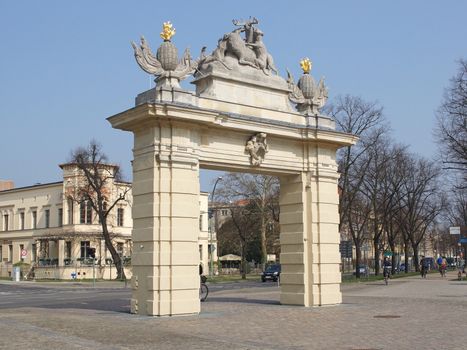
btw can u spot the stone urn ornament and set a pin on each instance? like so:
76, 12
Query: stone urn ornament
167, 53
165, 65
308, 96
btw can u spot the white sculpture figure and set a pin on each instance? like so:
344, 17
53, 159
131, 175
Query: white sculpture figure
249, 51
257, 148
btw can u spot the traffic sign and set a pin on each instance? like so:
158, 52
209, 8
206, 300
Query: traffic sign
455, 230
24, 253
387, 253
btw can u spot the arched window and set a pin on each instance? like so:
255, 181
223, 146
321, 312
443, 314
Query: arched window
120, 213
70, 211
89, 213
85, 211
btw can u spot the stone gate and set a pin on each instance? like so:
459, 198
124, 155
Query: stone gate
239, 118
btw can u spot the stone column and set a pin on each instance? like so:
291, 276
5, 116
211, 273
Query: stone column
324, 248
61, 252
165, 223
294, 228
309, 240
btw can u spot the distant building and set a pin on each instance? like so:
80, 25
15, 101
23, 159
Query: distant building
6, 185
62, 239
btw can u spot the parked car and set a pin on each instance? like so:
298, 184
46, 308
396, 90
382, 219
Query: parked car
431, 262
363, 270
451, 263
272, 272
402, 267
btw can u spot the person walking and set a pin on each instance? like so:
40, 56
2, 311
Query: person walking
460, 268
386, 269
444, 266
439, 261
424, 266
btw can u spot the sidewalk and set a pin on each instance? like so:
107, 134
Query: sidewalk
68, 284
405, 314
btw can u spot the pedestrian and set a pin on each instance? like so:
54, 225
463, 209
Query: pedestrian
444, 266
424, 266
439, 262
460, 268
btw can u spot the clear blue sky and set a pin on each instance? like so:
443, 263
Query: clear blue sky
65, 66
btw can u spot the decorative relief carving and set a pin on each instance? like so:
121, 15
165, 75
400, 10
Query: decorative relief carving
257, 148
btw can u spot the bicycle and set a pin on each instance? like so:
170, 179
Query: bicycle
387, 274
203, 289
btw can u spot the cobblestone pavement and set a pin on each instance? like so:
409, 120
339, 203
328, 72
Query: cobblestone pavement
409, 313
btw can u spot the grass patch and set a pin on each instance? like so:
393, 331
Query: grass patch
371, 278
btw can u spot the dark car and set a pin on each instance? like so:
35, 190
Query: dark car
363, 269
402, 267
272, 272
431, 263
451, 263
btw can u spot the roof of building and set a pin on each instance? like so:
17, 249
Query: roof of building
38, 185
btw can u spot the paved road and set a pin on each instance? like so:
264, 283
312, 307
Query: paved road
404, 315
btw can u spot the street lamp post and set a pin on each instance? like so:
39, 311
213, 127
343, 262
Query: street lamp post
211, 262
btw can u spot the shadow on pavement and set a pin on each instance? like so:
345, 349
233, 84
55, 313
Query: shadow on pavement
242, 300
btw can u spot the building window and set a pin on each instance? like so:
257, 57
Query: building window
89, 212
34, 219
60, 217
120, 213
86, 250
10, 253
33, 252
1, 254
21, 247
224, 212
120, 248
47, 218
201, 222
68, 250
85, 210
70, 211
5, 222
82, 212
21, 220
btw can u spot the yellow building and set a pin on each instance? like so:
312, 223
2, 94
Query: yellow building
59, 238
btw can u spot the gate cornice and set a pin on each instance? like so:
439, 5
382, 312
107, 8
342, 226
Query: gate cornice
147, 114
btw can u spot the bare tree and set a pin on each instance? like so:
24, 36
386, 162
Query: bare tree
451, 132
261, 192
392, 180
364, 119
420, 202
95, 186
456, 210
380, 184
242, 228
